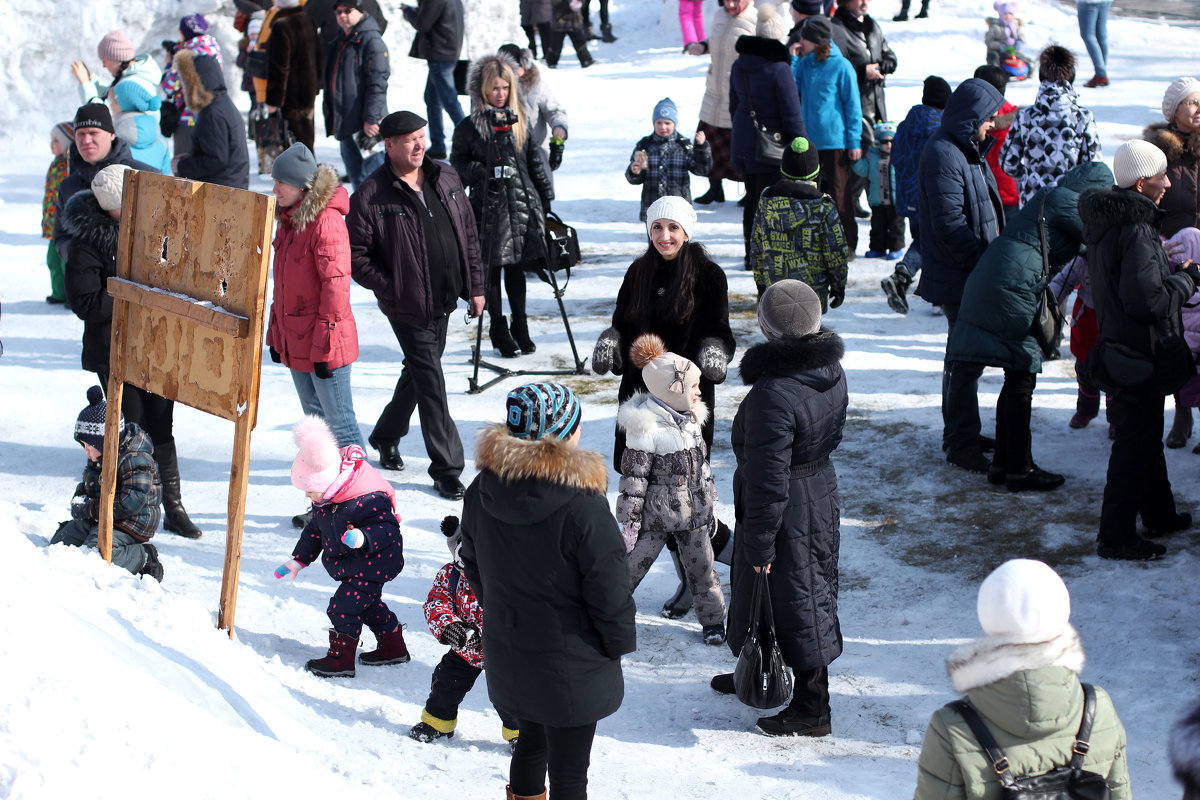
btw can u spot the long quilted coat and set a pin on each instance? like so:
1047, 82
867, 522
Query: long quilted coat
787, 426
311, 320
723, 33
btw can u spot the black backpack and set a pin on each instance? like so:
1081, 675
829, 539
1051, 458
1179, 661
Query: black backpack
1070, 782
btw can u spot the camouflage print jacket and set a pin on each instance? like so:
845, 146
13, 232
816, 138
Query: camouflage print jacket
797, 234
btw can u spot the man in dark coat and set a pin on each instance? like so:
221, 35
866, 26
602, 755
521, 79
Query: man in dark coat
439, 40
294, 70
960, 213
1138, 304
356, 81
419, 255
219, 153
321, 13
545, 557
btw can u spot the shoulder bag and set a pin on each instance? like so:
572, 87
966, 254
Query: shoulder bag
761, 679
768, 143
1048, 316
1070, 782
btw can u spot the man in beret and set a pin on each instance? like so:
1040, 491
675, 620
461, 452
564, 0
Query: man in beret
413, 243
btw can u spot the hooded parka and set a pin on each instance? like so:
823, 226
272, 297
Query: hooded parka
311, 320
785, 494
1048, 137
547, 562
356, 80
219, 154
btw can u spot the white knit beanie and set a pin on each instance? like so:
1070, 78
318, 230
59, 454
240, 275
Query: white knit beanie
108, 185
1176, 93
1024, 601
1137, 159
770, 24
675, 209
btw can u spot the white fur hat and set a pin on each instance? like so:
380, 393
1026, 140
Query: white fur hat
1137, 159
1024, 601
108, 185
675, 209
1176, 93
319, 461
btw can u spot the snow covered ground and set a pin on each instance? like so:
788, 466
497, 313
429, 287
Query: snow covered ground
120, 687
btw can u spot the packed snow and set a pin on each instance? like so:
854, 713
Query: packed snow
116, 686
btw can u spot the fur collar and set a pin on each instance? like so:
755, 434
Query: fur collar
1116, 207
84, 220
770, 49
195, 96
479, 106
641, 414
325, 184
549, 460
993, 658
788, 356
1174, 143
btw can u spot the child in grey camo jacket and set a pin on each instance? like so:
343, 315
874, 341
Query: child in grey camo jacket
666, 485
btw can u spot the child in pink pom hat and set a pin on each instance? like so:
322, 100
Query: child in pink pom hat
355, 531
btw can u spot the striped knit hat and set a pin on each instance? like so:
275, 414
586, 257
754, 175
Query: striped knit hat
89, 426
542, 410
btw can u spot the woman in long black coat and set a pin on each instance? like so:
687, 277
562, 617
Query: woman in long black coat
510, 193
786, 502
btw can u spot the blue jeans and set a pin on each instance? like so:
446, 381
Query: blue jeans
440, 95
352, 158
1093, 27
329, 398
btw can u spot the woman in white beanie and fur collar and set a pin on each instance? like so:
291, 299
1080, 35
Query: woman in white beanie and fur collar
1022, 678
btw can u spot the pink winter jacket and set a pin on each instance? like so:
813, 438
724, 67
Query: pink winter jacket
311, 319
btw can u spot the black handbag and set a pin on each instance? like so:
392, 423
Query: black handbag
1113, 367
768, 143
462, 69
761, 679
562, 244
1047, 316
1070, 782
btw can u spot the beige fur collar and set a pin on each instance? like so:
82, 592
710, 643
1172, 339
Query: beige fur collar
195, 96
325, 183
1174, 143
993, 658
547, 460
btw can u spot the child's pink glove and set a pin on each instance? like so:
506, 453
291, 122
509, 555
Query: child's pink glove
353, 538
290, 566
629, 532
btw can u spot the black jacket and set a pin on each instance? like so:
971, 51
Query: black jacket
356, 80
219, 154
321, 13
761, 80
1136, 297
864, 44
91, 261
960, 207
439, 25
545, 558
785, 494
387, 242
80, 178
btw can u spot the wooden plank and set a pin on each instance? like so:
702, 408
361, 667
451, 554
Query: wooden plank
148, 297
112, 444
239, 477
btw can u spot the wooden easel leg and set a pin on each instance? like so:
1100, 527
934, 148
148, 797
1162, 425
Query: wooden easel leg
239, 475
112, 440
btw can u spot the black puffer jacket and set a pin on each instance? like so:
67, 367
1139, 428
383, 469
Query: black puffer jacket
864, 45
356, 80
91, 261
219, 154
440, 27
512, 213
785, 494
1133, 289
79, 178
547, 562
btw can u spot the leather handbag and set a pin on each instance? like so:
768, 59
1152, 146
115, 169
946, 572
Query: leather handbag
761, 679
1047, 316
1069, 782
768, 142
562, 243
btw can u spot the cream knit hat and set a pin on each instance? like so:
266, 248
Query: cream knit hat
675, 209
108, 185
1137, 159
1179, 89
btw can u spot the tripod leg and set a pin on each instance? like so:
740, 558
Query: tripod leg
562, 309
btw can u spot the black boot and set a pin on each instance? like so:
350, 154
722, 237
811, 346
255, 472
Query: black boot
606, 34
924, 12
175, 517
588, 33
895, 286
1181, 427
502, 340
715, 193
585, 58
520, 332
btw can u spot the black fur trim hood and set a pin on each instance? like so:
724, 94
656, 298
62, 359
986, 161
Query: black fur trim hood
1113, 207
790, 356
770, 49
85, 220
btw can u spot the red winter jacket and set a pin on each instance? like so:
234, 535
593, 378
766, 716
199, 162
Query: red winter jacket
311, 319
1009, 195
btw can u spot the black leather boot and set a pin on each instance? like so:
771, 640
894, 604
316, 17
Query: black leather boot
520, 332
606, 34
502, 340
175, 516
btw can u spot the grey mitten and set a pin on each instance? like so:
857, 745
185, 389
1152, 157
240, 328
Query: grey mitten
606, 355
713, 361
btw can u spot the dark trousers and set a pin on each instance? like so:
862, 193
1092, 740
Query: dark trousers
1137, 471
552, 42
453, 677
960, 396
1013, 409
587, 12
835, 182
514, 286
153, 413
887, 229
300, 123
755, 183
810, 693
356, 603
563, 753
422, 387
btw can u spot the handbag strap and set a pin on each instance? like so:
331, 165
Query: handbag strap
1045, 247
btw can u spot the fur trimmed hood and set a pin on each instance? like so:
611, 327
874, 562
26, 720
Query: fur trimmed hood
1114, 207
549, 460
789, 356
643, 417
992, 658
201, 79
324, 191
1174, 143
84, 220
475, 92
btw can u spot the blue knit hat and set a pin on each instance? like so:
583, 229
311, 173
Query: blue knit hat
665, 109
132, 96
89, 426
542, 410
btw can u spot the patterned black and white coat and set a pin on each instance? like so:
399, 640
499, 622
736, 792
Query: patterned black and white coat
1048, 138
666, 483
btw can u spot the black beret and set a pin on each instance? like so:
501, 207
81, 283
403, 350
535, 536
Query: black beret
400, 123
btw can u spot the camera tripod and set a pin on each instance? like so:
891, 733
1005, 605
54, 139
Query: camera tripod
493, 186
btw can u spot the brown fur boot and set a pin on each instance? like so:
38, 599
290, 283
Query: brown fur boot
339, 661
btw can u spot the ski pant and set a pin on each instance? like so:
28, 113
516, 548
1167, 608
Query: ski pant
356, 603
696, 555
127, 551
452, 678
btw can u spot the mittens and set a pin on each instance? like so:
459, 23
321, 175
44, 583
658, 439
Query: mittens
713, 361
836, 296
80, 507
291, 566
459, 635
606, 355
353, 538
322, 370
275, 355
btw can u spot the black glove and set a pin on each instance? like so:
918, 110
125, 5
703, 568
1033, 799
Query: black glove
459, 635
449, 525
712, 360
275, 355
322, 370
606, 355
81, 507
836, 296
1192, 270
557, 146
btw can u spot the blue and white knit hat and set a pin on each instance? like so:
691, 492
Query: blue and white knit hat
542, 410
89, 426
665, 109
